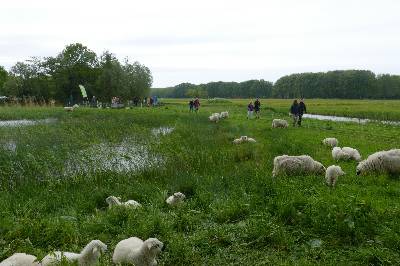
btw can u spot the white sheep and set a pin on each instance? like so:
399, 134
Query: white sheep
279, 123
116, 201
291, 165
338, 154
137, 252
20, 259
353, 153
224, 115
332, 174
175, 199
381, 162
214, 117
88, 256
68, 108
332, 142
244, 139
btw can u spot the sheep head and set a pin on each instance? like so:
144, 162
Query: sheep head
179, 195
154, 246
111, 201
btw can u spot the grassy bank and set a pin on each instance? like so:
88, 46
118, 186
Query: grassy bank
235, 212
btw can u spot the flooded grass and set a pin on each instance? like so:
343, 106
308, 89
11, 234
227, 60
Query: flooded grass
54, 179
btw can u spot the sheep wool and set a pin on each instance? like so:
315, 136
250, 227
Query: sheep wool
292, 165
338, 154
332, 142
88, 256
279, 123
224, 115
353, 153
214, 117
137, 252
332, 174
381, 162
115, 201
175, 199
20, 259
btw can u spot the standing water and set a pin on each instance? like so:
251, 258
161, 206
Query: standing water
349, 119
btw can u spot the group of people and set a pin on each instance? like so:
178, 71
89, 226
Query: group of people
297, 111
251, 108
194, 105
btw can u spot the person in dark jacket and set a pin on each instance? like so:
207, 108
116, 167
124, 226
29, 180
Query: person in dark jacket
257, 105
302, 110
191, 105
294, 112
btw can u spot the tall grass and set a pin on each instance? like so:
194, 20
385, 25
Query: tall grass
235, 212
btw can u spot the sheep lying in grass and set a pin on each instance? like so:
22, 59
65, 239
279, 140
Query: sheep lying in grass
137, 252
279, 123
381, 162
214, 117
331, 142
175, 199
68, 108
20, 259
116, 201
224, 115
332, 174
88, 256
244, 139
291, 165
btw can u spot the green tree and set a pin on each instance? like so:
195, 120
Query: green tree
137, 80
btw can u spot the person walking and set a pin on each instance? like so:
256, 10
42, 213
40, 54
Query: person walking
196, 104
294, 111
191, 105
257, 105
302, 110
250, 109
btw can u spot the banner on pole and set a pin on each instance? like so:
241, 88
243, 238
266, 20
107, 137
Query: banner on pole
83, 91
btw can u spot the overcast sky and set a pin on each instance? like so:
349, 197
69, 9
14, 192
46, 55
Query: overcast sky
211, 40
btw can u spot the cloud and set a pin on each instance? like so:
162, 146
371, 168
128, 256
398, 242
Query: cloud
200, 41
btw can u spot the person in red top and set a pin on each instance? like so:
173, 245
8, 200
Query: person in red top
196, 104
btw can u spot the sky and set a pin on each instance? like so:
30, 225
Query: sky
211, 40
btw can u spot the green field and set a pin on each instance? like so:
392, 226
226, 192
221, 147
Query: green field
54, 178
372, 109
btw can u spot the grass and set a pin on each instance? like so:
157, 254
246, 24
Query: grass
235, 212
373, 109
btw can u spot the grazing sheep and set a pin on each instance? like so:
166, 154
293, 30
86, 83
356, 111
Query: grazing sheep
224, 115
332, 174
291, 165
353, 153
68, 109
381, 162
332, 142
88, 256
138, 252
279, 123
20, 259
243, 139
75, 106
214, 117
338, 154
175, 199
115, 201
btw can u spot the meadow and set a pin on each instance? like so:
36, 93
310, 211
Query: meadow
54, 178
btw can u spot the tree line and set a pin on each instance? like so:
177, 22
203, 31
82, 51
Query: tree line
58, 77
345, 84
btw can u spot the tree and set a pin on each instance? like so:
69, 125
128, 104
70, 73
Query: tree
137, 80
75, 65
3, 77
110, 80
